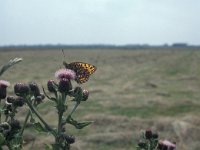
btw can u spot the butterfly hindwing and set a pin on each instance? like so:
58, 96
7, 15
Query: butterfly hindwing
82, 70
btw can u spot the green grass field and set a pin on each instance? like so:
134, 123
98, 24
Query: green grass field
131, 90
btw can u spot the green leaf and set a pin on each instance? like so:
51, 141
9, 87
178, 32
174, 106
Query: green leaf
9, 64
2, 110
83, 124
47, 147
2, 139
16, 143
39, 127
76, 124
56, 146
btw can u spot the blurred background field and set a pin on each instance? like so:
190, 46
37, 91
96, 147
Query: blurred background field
131, 90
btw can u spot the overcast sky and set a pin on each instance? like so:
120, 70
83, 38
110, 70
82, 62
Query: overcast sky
99, 21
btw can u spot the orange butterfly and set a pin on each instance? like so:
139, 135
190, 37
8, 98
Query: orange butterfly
82, 70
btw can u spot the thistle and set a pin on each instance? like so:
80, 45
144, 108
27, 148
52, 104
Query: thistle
150, 141
29, 94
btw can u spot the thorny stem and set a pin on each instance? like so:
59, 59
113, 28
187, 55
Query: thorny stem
75, 106
1, 110
41, 119
73, 110
25, 122
61, 101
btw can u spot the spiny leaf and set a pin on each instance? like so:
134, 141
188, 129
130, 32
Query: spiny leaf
47, 147
9, 64
76, 124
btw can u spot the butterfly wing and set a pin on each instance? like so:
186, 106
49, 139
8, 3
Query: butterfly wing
82, 70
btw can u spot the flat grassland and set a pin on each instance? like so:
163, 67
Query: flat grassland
132, 90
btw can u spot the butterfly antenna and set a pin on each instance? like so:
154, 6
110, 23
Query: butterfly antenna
64, 57
63, 53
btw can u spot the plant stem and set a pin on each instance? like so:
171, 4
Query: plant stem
60, 107
57, 138
60, 122
41, 119
1, 110
75, 106
25, 122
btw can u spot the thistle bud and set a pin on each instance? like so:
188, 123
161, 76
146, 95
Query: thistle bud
85, 95
39, 98
148, 134
70, 139
154, 135
10, 99
64, 85
162, 147
3, 92
5, 128
21, 89
142, 144
77, 90
50, 86
8, 109
19, 102
15, 125
3, 88
34, 89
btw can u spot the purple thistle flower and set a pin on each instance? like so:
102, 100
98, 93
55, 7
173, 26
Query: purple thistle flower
3, 86
50, 86
19, 102
64, 85
65, 73
21, 89
4, 83
166, 145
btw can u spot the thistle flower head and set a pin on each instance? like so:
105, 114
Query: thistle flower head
85, 95
155, 135
65, 73
50, 86
4, 83
3, 86
21, 89
148, 134
142, 144
69, 138
15, 125
10, 100
4, 126
64, 85
19, 102
166, 145
40, 98
34, 89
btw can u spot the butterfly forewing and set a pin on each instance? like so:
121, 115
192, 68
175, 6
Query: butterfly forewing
82, 70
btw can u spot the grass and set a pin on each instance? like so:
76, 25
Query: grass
152, 111
130, 91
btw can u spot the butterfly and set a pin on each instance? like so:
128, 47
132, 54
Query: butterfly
82, 70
